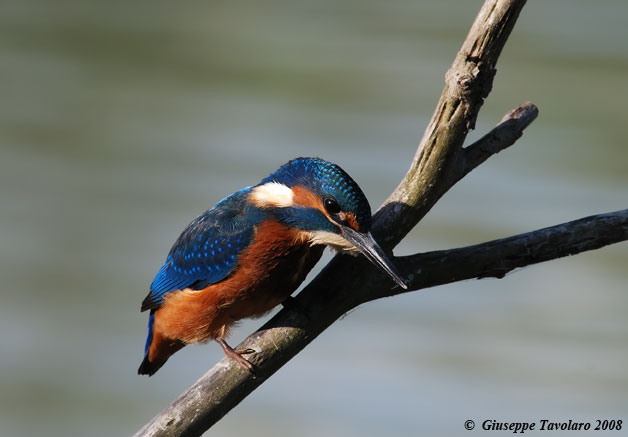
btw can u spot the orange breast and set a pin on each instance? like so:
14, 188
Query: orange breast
268, 271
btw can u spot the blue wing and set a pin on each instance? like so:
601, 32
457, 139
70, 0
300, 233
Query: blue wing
207, 250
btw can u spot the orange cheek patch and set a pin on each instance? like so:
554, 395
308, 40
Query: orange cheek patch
306, 198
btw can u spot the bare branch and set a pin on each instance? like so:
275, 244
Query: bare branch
504, 135
497, 258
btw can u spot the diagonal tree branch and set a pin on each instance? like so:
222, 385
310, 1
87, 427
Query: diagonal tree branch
440, 161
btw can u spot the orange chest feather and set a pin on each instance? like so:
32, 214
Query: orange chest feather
268, 271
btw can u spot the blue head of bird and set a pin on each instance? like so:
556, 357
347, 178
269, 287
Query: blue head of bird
327, 207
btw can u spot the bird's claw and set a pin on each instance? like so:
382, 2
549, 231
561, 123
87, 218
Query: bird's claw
236, 355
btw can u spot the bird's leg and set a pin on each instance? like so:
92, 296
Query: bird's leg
236, 354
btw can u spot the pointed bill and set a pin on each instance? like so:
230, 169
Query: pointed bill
367, 245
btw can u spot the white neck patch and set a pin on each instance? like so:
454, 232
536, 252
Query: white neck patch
272, 194
335, 241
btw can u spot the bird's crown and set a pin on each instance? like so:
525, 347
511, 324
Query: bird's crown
313, 181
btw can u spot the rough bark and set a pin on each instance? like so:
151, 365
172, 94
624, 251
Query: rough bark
346, 282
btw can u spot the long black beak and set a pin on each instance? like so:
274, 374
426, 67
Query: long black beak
365, 243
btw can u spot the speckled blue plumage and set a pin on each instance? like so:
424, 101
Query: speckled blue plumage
207, 250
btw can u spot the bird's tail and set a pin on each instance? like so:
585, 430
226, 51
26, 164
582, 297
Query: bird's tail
148, 368
157, 350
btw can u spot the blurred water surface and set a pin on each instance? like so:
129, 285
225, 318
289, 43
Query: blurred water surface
121, 121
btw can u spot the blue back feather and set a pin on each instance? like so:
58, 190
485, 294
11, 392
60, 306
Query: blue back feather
207, 250
149, 338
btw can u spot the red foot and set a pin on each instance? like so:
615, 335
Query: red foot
236, 354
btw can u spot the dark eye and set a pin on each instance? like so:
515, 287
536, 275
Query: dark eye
331, 206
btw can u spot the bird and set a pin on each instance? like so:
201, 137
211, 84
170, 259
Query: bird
250, 252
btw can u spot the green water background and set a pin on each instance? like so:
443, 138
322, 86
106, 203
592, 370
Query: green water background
121, 121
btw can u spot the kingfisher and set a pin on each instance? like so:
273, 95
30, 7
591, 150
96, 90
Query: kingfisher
250, 252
